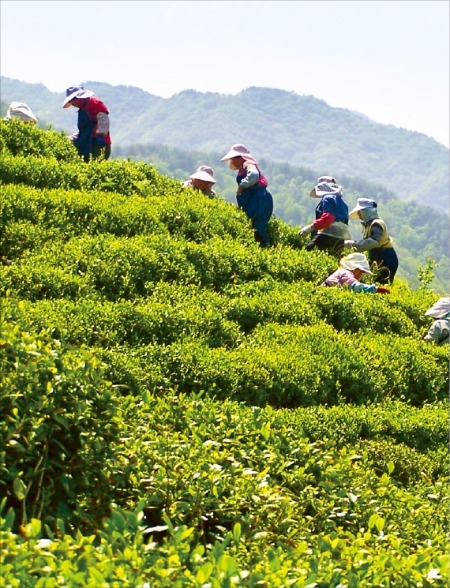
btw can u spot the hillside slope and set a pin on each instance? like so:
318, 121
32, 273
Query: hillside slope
276, 125
420, 233
181, 408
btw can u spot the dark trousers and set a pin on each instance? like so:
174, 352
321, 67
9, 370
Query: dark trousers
333, 245
384, 264
257, 203
98, 151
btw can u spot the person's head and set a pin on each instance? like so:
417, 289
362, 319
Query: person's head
325, 186
74, 95
236, 163
237, 156
365, 209
203, 178
357, 264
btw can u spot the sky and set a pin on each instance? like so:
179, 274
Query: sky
386, 59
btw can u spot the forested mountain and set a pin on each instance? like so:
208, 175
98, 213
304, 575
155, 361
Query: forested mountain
277, 125
420, 232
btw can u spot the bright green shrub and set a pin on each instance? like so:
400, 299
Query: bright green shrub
71, 213
108, 324
22, 236
104, 176
18, 139
406, 369
353, 312
410, 466
288, 265
43, 280
197, 218
278, 367
56, 429
424, 429
147, 307
268, 300
309, 365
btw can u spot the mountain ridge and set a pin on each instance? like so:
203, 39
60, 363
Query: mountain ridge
275, 124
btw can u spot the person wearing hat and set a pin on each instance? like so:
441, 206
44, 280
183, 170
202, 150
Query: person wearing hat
21, 111
376, 240
439, 331
252, 195
351, 269
202, 180
93, 138
330, 229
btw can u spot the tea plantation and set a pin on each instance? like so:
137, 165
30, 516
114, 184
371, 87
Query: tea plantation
180, 408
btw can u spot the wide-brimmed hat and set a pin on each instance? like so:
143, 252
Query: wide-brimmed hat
22, 111
325, 185
76, 92
354, 261
205, 173
361, 204
238, 150
439, 308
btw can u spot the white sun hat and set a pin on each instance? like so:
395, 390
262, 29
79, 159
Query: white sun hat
354, 261
439, 308
361, 204
22, 111
76, 92
205, 173
325, 185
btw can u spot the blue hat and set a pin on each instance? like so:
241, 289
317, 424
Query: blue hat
76, 92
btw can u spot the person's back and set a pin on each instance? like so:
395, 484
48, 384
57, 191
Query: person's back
252, 195
376, 240
439, 331
330, 229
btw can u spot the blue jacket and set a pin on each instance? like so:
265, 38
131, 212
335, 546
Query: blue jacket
333, 204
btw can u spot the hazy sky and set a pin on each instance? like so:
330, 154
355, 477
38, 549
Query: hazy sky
386, 59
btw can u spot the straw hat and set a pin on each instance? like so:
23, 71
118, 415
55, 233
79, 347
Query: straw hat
76, 92
354, 261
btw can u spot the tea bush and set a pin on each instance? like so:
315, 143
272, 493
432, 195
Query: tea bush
182, 408
56, 429
17, 139
105, 176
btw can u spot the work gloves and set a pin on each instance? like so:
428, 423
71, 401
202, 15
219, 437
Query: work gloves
306, 230
381, 290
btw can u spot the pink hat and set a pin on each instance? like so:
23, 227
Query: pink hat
204, 173
238, 150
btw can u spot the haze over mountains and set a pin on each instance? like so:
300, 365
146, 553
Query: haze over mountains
276, 125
